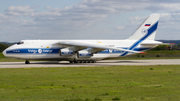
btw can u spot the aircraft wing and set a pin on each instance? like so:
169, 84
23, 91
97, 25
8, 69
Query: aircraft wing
93, 48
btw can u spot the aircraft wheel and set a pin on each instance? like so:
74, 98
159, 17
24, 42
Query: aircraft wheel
27, 62
75, 61
70, 61
93, 61
78, 61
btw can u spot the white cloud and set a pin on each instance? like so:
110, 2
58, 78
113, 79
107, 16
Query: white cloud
48, 7
120, 27
19, 10
79, 20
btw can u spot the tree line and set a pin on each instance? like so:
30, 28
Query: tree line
3, 47
166, 47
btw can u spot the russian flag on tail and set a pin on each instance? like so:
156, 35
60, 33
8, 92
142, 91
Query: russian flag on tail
147, 25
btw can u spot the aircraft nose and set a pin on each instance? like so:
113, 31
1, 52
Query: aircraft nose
4, 52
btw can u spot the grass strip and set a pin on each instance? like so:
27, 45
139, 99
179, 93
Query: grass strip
105, 83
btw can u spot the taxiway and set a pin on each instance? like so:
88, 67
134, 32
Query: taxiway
99, 63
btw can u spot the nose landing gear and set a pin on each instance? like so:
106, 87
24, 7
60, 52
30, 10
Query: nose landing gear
27, 62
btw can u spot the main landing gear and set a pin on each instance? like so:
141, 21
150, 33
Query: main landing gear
83, 61
27, 62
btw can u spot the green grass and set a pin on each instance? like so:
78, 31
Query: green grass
124, 83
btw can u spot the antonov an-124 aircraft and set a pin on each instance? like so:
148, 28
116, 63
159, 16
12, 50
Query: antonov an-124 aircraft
87, 51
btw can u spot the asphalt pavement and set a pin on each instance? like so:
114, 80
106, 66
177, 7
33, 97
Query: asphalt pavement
99, 63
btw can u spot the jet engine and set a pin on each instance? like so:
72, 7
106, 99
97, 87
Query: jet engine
66, 52
84, 54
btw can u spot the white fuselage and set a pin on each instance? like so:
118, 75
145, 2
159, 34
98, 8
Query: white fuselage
49, 49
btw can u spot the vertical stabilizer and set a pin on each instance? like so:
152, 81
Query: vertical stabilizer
147, 30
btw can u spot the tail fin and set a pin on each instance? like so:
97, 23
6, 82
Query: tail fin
147, 30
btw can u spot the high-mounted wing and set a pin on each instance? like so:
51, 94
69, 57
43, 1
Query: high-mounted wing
93, 48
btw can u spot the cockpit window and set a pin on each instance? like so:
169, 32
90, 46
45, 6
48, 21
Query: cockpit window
20, 43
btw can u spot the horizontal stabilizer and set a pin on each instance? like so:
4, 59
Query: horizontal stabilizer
157, 43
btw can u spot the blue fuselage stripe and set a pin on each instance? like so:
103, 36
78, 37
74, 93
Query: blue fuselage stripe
32, 50
56, 51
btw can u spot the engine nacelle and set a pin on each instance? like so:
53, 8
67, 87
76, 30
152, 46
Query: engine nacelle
84, 54
66, 52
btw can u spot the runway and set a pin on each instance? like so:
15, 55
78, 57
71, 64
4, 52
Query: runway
99, 63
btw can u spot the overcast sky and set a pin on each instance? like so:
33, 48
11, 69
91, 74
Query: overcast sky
85, 19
